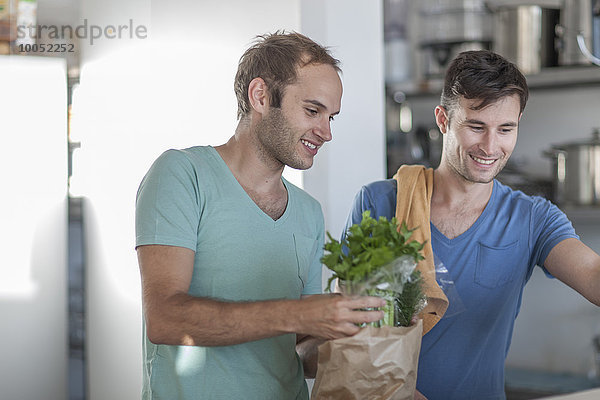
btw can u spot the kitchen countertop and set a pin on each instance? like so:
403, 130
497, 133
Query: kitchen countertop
593, 394
534, 384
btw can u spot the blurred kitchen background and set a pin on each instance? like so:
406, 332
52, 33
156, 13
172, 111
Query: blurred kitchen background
81, 125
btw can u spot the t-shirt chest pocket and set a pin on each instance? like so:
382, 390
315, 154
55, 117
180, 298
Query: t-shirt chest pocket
497, 265
306, 249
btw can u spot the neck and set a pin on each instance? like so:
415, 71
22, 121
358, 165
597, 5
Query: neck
241, 154
453, 191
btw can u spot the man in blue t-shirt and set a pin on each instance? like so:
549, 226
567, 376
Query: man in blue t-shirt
229, 251
487, 235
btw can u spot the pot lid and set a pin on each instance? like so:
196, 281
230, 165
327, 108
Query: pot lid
593, 141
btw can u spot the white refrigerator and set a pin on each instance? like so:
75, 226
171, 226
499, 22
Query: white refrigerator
33, 228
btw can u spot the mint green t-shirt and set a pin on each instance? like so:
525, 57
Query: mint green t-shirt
190, 198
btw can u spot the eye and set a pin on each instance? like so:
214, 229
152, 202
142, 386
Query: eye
476, 128
506, 131
312, 111
331, 118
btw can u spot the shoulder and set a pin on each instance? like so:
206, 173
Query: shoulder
173, 158
184, 162
175, 168
386, 188
379, 197
517, 199
190, 155
540, 212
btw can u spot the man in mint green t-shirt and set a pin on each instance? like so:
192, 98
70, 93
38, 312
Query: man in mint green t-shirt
229, 251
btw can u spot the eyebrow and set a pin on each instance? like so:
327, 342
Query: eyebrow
319, 104
478, 122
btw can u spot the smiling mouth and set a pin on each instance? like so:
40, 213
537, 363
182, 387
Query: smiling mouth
483, 161
309, 144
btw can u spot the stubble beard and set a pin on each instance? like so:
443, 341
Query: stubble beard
277, 144
460, 166
463, 171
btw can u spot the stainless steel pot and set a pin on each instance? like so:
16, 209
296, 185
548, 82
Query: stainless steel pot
576, 170
525, 33
576, 18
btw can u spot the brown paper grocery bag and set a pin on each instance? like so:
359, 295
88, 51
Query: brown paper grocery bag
374, 364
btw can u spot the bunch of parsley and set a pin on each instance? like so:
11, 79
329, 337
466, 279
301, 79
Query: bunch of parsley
366, 249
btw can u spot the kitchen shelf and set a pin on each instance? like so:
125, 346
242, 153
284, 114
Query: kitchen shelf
548, 78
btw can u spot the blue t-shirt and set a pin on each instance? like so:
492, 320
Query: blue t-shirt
463, 356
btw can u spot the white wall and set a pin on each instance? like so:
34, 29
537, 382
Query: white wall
356, 156
353, 30
137, 99
33, 238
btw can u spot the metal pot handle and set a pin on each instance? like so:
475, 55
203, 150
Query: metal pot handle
561, 163
553, 153
591, 58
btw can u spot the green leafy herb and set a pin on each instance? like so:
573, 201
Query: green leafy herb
368, 262
409, 300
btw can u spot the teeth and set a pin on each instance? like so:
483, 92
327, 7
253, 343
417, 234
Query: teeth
482, 161
308, 144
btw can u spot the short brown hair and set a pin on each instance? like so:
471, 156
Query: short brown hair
482, 75
275, 58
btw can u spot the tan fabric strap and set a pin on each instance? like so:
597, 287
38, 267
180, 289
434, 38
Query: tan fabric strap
415, 187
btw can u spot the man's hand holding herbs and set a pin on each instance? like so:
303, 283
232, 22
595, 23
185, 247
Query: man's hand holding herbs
334, 316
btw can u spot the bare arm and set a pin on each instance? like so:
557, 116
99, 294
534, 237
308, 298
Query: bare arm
174, 317
578, 266
307, 348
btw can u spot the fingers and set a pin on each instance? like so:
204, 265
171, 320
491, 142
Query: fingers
365, 302
337, 316
353, 313
358, 317
361, 309
346, 330
353, 318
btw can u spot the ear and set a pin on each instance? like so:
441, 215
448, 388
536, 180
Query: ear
258, 95
441, 119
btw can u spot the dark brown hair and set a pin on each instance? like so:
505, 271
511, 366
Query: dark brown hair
485, 76
275, 58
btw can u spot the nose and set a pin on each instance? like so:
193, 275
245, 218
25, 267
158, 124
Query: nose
488, 143
323, 130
